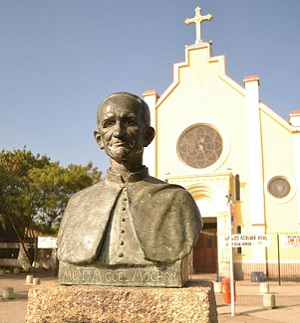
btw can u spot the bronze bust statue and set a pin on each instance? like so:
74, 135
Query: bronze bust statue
130, 229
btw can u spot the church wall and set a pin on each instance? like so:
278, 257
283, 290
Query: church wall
201, 97
202, 93
277, 145
278, 160
204, 96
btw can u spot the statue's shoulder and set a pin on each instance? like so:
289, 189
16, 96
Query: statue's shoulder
169, 191
165, 185
89, 192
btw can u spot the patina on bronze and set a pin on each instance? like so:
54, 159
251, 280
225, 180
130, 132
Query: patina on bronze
130, 229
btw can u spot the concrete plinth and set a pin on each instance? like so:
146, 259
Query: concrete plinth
218, 287
269, 301
8, 292
264, 288
53, 303
29, 279
36, 281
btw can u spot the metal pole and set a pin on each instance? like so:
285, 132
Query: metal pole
278, 250
56, 263
230, 256
35, 254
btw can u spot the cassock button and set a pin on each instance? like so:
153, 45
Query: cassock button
120, 255
121, 243
122, 231
123, 220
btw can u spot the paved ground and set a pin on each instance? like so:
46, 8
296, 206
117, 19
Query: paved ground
248, 306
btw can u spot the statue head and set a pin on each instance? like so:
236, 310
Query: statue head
123, 126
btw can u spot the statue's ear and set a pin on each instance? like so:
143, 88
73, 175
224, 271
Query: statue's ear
98, 139
149, 135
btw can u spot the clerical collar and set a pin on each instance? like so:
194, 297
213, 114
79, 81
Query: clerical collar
134, 177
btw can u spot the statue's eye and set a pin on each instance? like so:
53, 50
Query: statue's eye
130, 122
108, 123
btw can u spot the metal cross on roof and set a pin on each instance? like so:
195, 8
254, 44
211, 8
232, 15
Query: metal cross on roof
197, 20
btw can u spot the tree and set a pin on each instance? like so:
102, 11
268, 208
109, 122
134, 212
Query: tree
53, 186
34, 192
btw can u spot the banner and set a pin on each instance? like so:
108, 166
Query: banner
246, 240
47, 243
287, 241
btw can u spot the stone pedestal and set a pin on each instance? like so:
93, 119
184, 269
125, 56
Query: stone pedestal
53, 303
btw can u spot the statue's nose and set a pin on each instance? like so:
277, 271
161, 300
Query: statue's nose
119, 130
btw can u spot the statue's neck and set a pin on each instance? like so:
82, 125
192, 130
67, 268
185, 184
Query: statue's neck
126, 168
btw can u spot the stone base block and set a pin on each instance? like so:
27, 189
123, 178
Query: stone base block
53, 303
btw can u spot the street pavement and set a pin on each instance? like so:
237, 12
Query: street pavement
248, 306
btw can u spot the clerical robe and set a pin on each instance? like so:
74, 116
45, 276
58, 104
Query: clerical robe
165, 219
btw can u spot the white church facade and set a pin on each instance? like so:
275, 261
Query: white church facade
217, 139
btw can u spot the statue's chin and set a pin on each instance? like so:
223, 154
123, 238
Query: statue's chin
119, 153
122, 153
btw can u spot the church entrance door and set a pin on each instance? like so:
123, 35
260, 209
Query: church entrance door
205, 254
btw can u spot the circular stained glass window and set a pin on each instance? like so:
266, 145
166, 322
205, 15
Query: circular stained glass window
200, 146
279, 187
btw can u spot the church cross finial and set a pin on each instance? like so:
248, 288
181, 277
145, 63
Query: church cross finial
197, 20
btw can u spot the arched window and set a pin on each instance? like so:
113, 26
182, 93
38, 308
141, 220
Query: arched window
200, 146
239, 231
237, 188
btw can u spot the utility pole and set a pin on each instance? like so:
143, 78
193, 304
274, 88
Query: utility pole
232, 291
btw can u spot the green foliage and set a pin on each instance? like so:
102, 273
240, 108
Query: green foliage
53, 186
34, 191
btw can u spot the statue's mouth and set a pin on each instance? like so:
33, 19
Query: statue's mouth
121, 144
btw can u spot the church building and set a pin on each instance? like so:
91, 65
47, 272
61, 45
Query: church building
237, 157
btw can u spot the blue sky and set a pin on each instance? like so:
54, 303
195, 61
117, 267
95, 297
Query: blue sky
60, 58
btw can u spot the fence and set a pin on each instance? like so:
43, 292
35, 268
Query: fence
274, 259
12, 255
277, 263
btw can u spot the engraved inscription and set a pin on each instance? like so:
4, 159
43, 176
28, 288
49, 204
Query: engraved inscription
174, 275
97, 276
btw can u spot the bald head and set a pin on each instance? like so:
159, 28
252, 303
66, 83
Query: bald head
125, 98
124, 127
